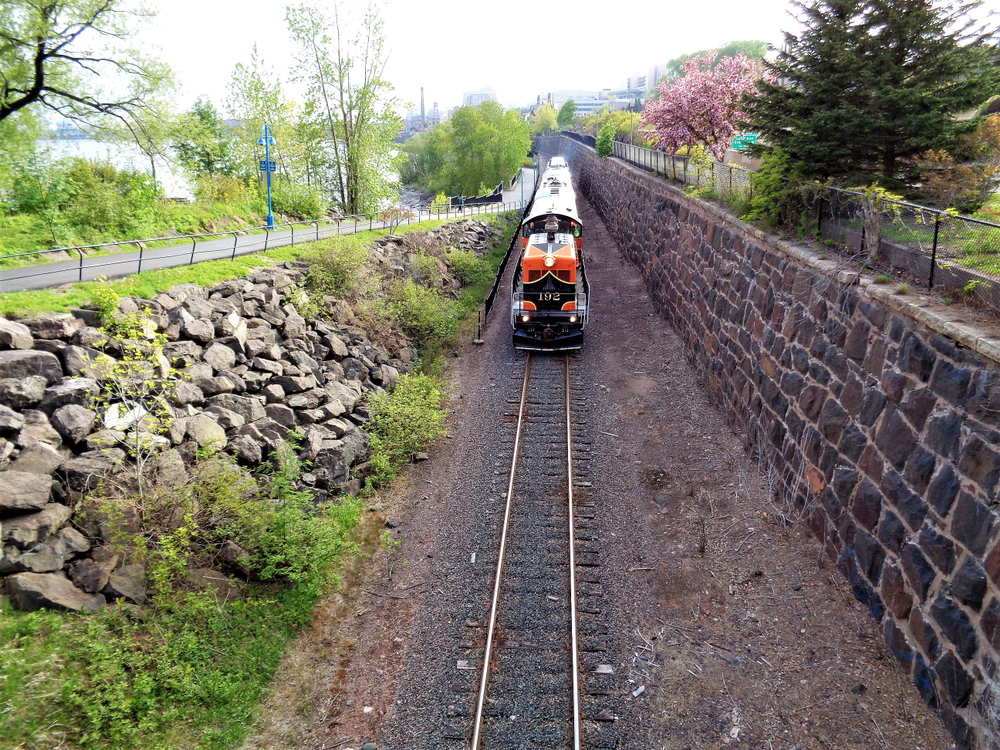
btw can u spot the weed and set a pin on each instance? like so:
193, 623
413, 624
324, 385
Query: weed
883, 278
948, 300
903, 288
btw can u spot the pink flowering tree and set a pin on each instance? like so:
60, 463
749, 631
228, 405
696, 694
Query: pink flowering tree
702, 106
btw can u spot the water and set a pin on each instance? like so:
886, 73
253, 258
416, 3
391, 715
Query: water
171, 177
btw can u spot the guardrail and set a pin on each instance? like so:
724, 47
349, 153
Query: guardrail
257, 239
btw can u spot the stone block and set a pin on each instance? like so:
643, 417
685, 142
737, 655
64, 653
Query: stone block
938, 548
14, 335
971, 523
894, 594
40, 458
919, 469
73, 422
955, 626
27, 530
916, 358
944, 430
23, 492
871, 406
951, 382
867, 505
924, 635
943, 489
918, 571
895, 438
907, 504
980, 463
969, 584
891, 532
53, 325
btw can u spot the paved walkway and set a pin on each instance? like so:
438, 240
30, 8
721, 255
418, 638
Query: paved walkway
514, 196
193, 250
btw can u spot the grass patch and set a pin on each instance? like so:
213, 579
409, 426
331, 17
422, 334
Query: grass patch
191, 670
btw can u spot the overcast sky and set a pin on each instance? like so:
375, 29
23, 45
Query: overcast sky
521, 48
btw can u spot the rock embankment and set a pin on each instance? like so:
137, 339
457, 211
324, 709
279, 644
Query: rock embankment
251, 369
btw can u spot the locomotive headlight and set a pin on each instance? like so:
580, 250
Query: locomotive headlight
572, 318
549, 261
525, 318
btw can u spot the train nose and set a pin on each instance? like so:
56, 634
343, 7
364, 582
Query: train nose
548, 335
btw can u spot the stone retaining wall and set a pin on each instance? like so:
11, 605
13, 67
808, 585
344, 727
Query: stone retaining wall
880, 416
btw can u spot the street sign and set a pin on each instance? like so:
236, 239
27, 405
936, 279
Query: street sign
741, 142
268, 166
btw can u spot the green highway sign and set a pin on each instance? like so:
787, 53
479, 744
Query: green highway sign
741, 142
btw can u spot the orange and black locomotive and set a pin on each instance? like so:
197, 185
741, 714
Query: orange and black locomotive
550, 287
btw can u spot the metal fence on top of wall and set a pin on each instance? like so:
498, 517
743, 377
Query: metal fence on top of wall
958, 255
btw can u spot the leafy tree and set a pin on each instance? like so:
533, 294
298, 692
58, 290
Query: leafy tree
71, 57
344, 73
488, 145
755, 50
605, 139
203, 142
870, 84
469, 154
544, 120
969, 175
703, 106
567, 113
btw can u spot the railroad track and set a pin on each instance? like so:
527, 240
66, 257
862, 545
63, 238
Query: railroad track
530, 689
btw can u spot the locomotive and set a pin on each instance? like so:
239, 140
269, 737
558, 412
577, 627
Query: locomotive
550, 290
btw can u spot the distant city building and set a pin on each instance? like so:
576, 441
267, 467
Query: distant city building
417, 120
656, 72
587, 102
475, 98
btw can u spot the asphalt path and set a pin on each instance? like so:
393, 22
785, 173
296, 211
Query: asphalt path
194, 250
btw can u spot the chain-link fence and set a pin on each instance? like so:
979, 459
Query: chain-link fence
957, 255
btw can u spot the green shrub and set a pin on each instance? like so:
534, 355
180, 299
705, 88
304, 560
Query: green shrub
297, 201
424, 315
219, 188
403, 422
336, 271
777, 194
468, 267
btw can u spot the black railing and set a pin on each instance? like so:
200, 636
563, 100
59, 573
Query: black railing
957, 255
109, 261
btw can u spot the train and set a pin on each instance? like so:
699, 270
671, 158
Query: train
550, 290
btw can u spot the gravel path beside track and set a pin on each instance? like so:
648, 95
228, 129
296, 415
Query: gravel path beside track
723, 624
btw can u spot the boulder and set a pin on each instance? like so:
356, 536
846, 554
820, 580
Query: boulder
281, 414
103, 439
37, 430
200, 330
343, 398
79, 391
23, 393
10, 421
247, 407
69, 542
19, 364
227, 419
338, 349
84, 472
39, 559
267, 365
90, 337
14, 335
273, 393
26, 531
40, 458
170, 469
54, 325
183, 292
32, 591
198, 372
295, 383
187, 393
206, 432
220, 357
23, 492
73, 422
217, 386
91, 575
199, 308
263, 349
247, 450
129, 583
80, 360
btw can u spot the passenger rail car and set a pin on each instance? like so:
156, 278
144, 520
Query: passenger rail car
550, 288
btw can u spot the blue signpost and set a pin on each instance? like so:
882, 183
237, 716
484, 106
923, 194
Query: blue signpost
267, 166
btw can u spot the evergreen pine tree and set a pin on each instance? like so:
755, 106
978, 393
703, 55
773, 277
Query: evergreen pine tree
869, 84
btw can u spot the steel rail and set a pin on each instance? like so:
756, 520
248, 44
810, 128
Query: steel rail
572, 568
477, 727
